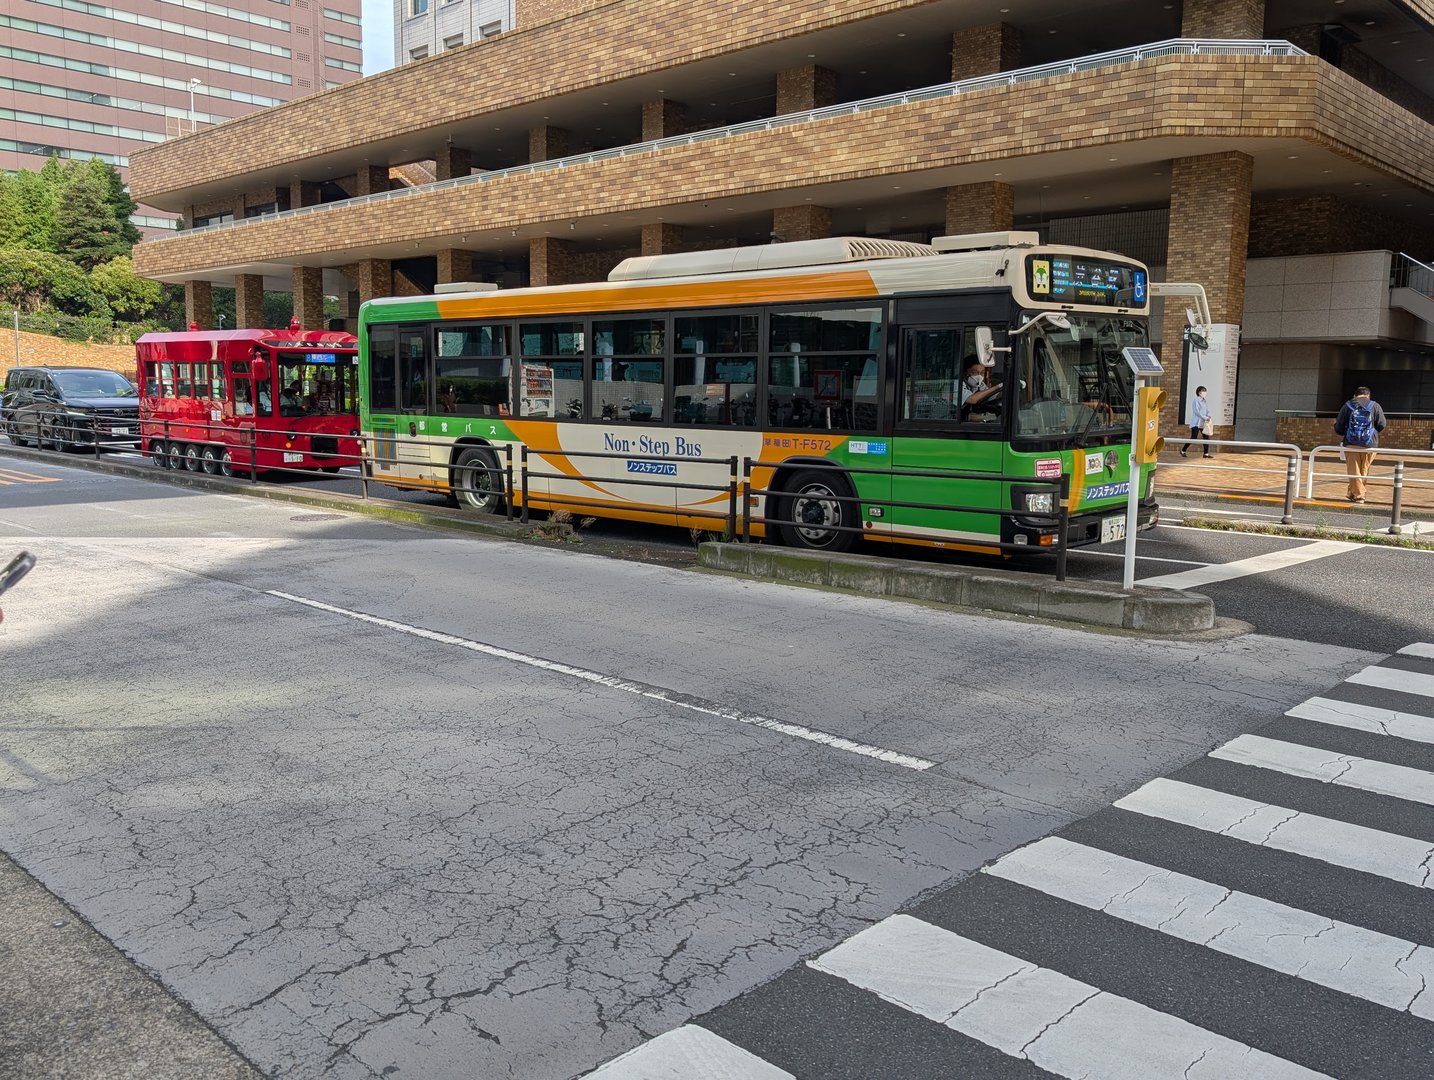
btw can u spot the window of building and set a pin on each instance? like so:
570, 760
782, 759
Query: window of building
213, 219
453, 42
488, 30
418, 53
418, 7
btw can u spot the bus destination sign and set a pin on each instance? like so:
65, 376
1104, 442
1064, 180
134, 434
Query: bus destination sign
1070, 279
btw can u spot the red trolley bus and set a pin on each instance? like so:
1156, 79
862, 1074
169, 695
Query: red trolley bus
226, 401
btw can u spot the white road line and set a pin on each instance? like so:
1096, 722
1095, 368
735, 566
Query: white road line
1145, 558
1036, 1014
1363, 963
17, 525
689, 1053
657, 693
1259, 564
1343, 770
1360, 717
1406, 682
1339, 843
1419, 648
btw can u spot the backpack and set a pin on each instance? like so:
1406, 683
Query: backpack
1359, 428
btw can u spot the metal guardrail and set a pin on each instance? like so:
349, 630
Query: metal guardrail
1397, 480
1407, 272
1292, 465
1154, 50
185, 454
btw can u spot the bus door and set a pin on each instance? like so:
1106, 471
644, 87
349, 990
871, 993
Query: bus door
411, 437
948, 418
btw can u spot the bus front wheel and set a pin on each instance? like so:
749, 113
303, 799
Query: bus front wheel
477, 483
812, 515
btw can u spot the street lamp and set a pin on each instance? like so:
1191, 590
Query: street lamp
192, 84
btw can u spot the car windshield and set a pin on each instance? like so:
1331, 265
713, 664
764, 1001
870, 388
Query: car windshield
94, 384
1075, 381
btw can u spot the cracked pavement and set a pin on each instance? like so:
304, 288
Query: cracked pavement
358, 854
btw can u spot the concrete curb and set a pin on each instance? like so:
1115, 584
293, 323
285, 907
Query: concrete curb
1097, 603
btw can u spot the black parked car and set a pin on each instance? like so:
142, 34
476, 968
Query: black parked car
69, 406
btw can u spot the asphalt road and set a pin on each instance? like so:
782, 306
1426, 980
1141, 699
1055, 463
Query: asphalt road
373, 800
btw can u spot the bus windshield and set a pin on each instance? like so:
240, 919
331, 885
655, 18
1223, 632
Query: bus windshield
1075, 382
317, 384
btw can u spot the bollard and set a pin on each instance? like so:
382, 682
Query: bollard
1292, 484
1394, 526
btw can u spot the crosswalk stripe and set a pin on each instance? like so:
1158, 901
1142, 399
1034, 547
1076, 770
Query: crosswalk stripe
1363, 963
1402, 725
1060, 1024
1326, 766
1387, 678
1419, 648
1259, 564
1354, 847
689, 1053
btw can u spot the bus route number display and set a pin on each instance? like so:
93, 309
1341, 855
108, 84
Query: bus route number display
1067, 279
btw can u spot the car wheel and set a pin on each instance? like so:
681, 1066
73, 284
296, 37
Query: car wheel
210, 460
477, 483
56, 435
811, 513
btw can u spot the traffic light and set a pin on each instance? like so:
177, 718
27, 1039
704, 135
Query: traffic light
1147, 440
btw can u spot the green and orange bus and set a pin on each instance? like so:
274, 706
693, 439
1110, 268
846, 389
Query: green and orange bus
847, 369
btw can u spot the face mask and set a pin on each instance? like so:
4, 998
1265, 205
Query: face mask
974, 382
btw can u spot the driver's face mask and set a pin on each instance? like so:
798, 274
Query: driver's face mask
975, 382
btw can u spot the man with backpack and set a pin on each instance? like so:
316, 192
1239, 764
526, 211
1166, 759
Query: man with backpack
1358, 426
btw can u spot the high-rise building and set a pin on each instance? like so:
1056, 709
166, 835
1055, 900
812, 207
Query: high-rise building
86, 80
423, 28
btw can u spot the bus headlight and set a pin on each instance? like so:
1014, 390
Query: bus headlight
1040, 502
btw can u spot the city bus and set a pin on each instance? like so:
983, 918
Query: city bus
847, 369
227, 401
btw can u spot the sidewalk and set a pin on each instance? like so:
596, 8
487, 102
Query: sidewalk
1260, 476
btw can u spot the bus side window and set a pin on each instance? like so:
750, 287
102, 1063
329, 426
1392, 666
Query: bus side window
151, 379
382, 359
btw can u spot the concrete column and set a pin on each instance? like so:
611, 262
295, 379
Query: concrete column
1242, 19
989, 206
803, 88
550, 262
303, 193
450, 161
375, 278
805, 222
985, 50
662, 118
199, 304
659, 238
546, 142
248, 301
371, 179
455, 265
309, 297
1209, 237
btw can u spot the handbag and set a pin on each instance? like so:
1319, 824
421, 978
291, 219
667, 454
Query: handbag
1208, 427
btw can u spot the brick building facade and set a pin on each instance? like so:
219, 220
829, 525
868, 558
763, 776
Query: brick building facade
1259, 137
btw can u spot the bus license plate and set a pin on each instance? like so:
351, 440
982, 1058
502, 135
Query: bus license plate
300, 457
1112, 528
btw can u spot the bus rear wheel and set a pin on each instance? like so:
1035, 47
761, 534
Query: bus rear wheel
210, 460
176, 456
192, 459
477, 483
812, 515
226, 464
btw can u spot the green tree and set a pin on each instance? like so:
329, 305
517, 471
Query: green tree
11, 223
86, 230
38, 197
34, 280
130, 296
117, 195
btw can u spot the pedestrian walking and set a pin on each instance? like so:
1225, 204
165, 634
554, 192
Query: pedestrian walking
1202, 424
1358, 426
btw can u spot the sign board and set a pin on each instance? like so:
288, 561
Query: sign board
1217, 369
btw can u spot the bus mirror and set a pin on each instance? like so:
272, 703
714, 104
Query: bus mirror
985, 346
260, 369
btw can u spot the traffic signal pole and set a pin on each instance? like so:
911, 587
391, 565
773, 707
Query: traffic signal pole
1145, 442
